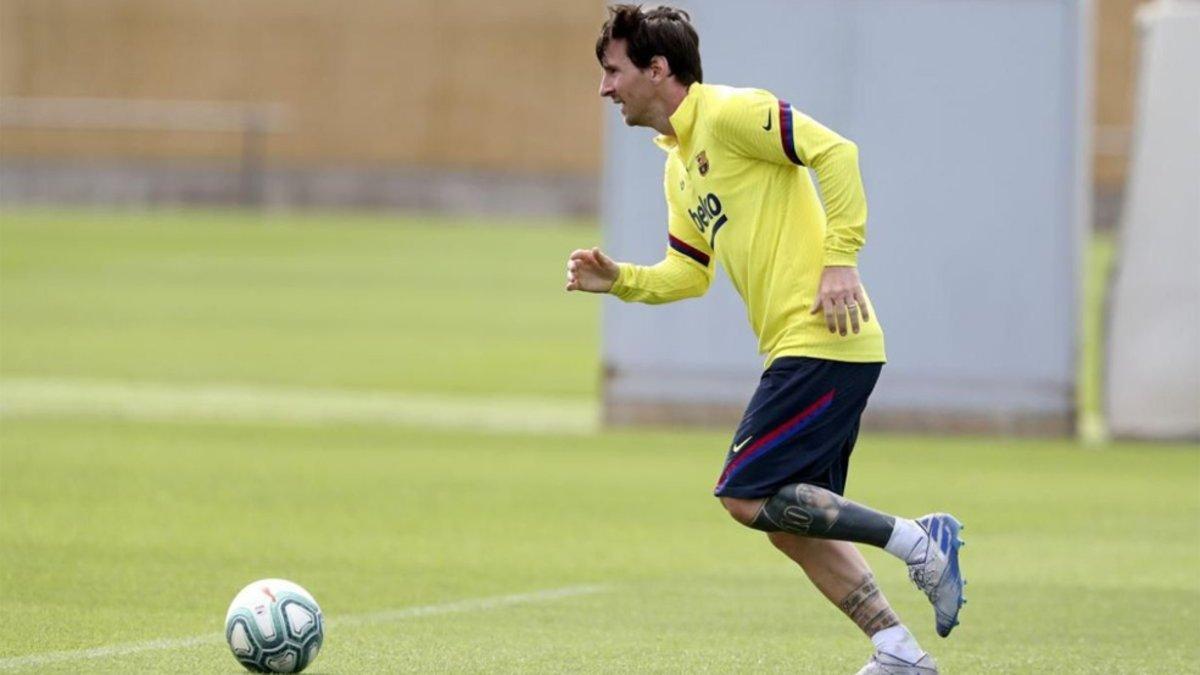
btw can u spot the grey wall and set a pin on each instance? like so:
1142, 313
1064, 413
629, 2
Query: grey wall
970, 120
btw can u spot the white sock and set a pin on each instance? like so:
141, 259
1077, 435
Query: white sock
905, 542
898, 642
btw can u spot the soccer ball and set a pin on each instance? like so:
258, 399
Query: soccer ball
274, 626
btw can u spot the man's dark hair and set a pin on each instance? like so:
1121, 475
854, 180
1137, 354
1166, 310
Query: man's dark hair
658, 31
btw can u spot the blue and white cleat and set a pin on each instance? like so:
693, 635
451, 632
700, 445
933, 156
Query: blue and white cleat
936, 572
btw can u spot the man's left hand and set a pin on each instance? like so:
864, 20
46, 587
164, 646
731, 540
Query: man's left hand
842, 299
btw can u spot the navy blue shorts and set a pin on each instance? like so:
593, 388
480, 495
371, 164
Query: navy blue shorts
800, 427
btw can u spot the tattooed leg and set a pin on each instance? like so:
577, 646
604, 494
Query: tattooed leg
810, 511
867, 608
839, 571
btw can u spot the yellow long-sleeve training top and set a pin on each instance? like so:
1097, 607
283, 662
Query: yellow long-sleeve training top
738, 191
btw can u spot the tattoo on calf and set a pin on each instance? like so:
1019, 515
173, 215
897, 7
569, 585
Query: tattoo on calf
867, 607
811, 511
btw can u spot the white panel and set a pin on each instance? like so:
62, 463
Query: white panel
1154, 361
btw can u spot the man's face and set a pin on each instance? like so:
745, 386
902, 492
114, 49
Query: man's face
626, 84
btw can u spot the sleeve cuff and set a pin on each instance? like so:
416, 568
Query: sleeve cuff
841, 259
620, 287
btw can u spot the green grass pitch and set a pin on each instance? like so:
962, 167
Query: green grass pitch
127, 526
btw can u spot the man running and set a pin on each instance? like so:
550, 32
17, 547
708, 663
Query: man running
738, 191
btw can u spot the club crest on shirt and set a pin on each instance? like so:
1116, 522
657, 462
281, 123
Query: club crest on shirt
702, 163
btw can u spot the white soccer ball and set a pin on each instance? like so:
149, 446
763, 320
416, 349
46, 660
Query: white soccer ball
274, 626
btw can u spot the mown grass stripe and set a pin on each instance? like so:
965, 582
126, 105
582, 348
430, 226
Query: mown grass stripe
32, 397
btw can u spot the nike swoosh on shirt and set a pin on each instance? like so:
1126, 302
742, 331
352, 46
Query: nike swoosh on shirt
767, 126
738, 448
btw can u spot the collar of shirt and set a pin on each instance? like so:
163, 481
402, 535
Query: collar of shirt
682, 120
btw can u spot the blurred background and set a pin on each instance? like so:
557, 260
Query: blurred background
388, 104
281, 296
459, 108
449, 106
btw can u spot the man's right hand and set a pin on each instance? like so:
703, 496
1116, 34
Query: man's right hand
590, 270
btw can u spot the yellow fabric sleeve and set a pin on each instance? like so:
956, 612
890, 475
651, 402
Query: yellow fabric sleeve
674, 278
758, 125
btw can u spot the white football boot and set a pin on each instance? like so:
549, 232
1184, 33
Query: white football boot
883, 663
936, 570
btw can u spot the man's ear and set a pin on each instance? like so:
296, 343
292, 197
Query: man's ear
659, 68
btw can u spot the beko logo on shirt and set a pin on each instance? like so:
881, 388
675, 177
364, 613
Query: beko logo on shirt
708, 214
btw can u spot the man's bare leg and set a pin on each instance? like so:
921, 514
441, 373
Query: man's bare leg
841, 573
839, 570
814, 512
929, 547
815, 527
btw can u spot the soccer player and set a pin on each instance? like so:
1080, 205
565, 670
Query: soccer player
738, 191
